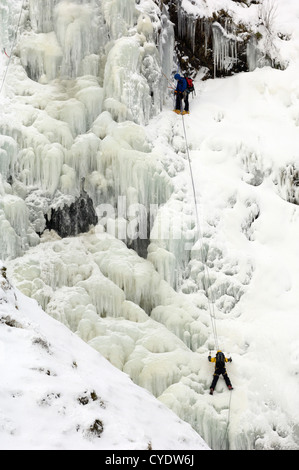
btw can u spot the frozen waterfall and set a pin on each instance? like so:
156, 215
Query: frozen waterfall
87, 134
80, 70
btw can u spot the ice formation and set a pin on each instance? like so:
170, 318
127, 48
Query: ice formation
224, 48
91, 66
237, 35
81, 115
55, 399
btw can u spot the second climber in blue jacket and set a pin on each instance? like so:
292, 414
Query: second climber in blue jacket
181, 94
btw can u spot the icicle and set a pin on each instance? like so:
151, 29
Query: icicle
42, 19
8, 155
166, 46
4, 22
187, 27
119, 15
16, 233
224, 49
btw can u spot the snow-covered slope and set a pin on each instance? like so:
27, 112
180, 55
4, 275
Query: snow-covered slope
64, 133
239, 147
57, 393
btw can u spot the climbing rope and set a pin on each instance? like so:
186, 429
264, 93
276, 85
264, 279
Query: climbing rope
200, 238
206, 270
13, 46
225, 435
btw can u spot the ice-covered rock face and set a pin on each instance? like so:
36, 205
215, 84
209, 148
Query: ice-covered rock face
104, 292
69, 130
83, 70
227, 37
55, 385
66, 39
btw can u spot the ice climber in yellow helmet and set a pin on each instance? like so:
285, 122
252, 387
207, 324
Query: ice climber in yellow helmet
220, 361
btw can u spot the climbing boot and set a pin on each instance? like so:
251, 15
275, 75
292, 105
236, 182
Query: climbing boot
230, 387
185, 112
177, 111
211, 391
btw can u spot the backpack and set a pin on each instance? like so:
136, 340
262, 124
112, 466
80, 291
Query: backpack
220, 359
190, 85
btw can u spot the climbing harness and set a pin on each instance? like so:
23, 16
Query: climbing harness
12, 48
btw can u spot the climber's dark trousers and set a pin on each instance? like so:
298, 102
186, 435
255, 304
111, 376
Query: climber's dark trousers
178, 102
217, 373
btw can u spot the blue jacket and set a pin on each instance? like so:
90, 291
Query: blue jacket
182, 83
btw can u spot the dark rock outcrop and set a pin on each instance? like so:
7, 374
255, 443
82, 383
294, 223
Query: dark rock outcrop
73, 219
